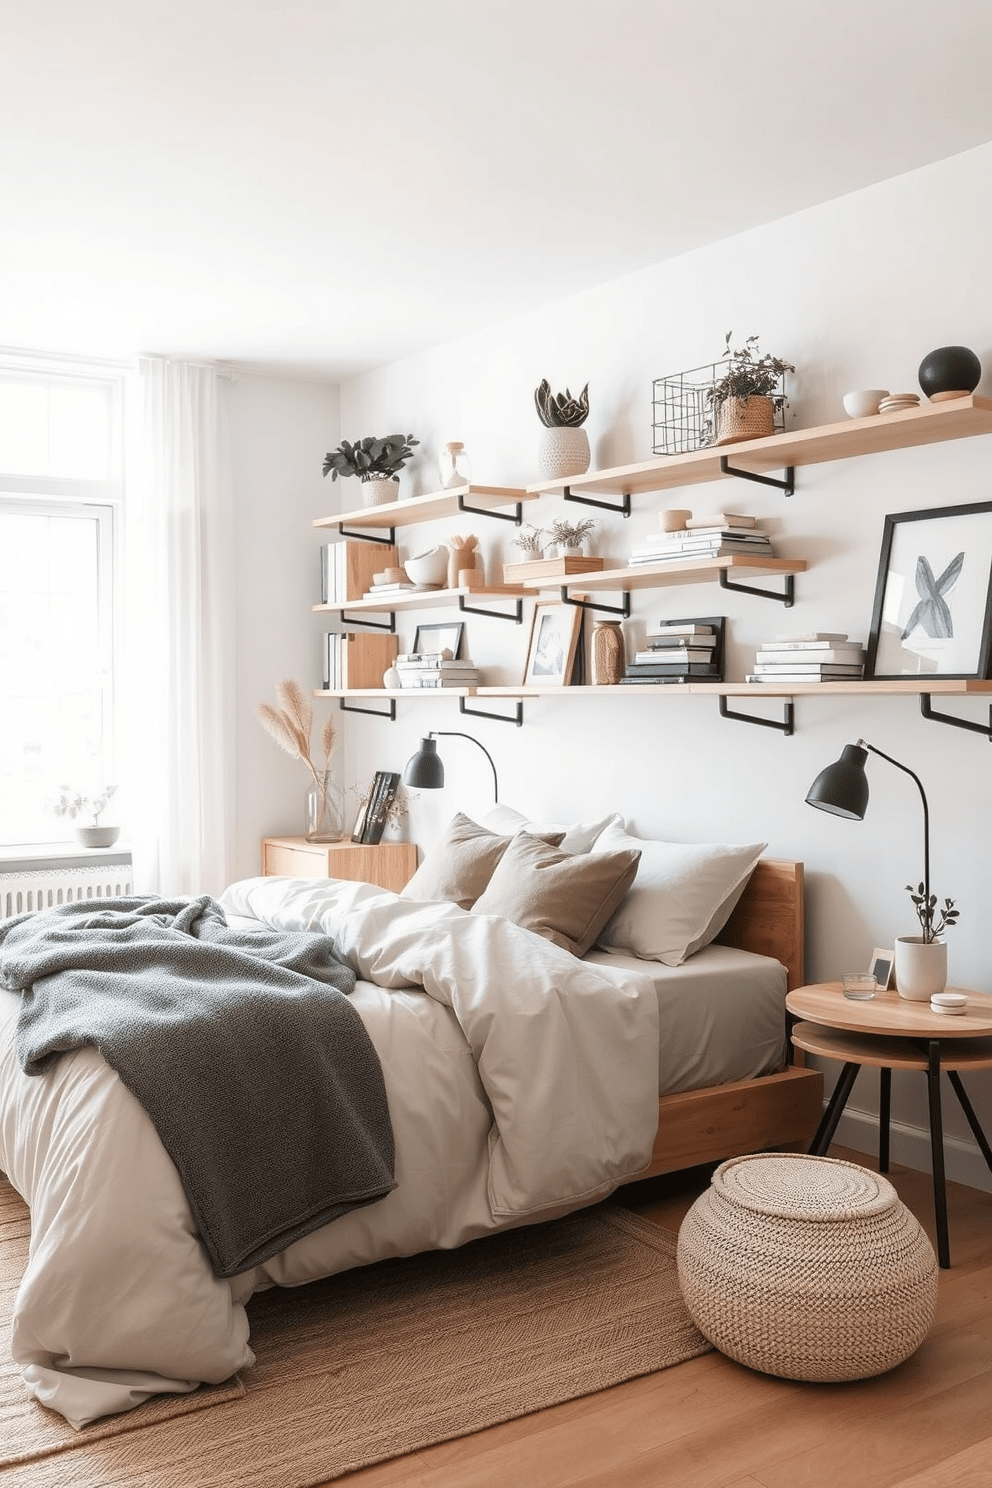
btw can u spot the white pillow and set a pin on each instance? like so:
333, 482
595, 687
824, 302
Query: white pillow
579, 836
681, 898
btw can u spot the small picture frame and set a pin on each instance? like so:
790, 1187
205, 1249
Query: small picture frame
881, 968
554, 636
433, 639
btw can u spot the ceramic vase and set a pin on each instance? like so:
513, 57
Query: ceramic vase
324, 810
921, 967
378, 492
744, 418
949, 372
563, 452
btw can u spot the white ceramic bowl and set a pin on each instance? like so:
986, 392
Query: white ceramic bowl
430, 567
864, 403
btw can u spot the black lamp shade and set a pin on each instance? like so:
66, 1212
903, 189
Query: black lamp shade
842, 788
425, 770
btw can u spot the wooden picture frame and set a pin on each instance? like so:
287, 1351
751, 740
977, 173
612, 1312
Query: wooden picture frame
882, 963
554, 636
932, 614
446, 635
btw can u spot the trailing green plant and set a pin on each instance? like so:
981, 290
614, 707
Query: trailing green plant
750, 375
933, 921
561, 410
370, 459
73, 803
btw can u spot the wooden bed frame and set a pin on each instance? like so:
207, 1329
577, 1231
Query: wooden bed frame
779, 1110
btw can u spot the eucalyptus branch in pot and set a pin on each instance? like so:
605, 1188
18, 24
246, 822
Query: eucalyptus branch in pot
933, 921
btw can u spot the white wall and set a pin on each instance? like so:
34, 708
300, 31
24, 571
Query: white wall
855, 293
280, 430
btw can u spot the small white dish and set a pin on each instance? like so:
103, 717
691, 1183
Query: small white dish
864, 403
948, 1002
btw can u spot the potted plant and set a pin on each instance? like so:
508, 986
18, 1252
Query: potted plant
290, 725
564, 538
73, 803
530, 540
564, 448
748, 395
375, 462
921, 960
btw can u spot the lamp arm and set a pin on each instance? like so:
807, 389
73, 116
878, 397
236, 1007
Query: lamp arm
455, 734
926, 809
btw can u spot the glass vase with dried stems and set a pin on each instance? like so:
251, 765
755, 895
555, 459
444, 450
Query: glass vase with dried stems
291, 724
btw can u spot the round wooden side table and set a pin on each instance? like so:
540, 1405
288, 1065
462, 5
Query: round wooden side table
890, 1032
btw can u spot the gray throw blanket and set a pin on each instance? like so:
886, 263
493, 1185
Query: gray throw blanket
241, 1045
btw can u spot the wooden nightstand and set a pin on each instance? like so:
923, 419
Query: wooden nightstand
389, 865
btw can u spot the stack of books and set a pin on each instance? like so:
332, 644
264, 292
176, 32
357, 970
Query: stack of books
429, 669
394, 581
680, 651
347, 569
818, 656
722, 535
374, 811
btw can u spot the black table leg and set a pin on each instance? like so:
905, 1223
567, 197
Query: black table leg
884, 1108
835, 1109
969, 1112
937, 1152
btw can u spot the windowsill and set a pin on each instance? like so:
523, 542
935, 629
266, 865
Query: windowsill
31, 857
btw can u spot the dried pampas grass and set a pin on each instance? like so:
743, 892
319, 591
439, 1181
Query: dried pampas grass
291, 723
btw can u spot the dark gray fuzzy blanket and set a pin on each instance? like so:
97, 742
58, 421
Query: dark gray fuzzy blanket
241, 1045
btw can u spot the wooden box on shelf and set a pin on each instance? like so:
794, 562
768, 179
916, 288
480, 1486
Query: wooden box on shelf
551, 568
357, 660
347, 569
388, 865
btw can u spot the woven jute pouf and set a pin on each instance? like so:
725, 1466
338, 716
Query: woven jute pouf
807, 1267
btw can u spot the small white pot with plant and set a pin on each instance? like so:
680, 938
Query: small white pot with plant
749, 394
564, 447
921, 960
566, 539
73, 803
374, 462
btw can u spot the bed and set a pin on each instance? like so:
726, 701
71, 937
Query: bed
523, 1081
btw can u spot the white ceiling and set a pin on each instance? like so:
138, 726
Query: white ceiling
323, 186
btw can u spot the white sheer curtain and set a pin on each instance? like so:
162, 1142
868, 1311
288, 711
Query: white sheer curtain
180, 633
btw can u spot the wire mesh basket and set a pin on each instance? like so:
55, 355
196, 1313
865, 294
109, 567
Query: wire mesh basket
684, 417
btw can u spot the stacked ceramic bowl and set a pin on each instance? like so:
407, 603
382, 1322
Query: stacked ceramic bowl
896, 401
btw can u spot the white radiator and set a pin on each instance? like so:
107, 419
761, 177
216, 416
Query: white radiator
20, 892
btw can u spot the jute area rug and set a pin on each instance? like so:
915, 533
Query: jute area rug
377, 1362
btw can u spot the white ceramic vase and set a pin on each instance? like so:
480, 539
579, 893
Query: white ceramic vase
921, 967
563, 452
378, 492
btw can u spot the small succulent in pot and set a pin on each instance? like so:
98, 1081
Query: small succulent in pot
749, 374
370, 459
932, 921
561, 410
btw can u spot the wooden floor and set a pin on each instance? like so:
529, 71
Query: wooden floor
711, 1423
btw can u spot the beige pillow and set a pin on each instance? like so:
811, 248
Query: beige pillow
566, 897
460, 865
578, 836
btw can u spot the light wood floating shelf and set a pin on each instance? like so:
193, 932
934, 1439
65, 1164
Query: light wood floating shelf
424, 599
428, 508
670, 571
912, 687
931, 423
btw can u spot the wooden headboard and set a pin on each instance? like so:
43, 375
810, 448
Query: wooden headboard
768, 918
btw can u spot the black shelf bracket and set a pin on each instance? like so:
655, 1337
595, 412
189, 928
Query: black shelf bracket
788, 485
374, 536
593, 604
787, 726
371, 624
347, 707
516, 717
516, 516
624, 508
962, 723
516, 614
787, 596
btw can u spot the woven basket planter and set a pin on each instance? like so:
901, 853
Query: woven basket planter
807, 1268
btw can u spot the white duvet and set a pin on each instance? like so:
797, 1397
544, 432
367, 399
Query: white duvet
522, 1083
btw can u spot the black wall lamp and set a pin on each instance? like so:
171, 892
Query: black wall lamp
425, 769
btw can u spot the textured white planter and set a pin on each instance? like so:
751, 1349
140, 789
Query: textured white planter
563, 452
378, 492
921, 969
97, 836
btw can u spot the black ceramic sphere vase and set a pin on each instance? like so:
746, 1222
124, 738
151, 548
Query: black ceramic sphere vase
949, 372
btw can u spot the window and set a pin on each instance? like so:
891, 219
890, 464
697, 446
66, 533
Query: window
60, 490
